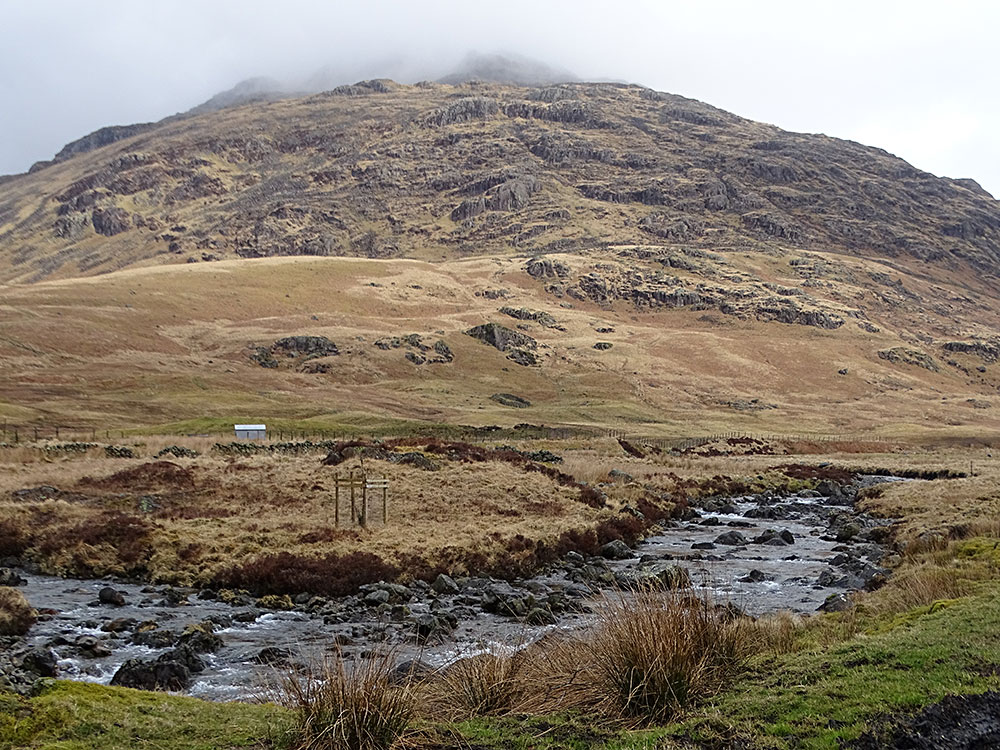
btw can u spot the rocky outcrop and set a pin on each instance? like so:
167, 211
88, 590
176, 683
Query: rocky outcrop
542, 318
418, 352
988, 351
157, 674
902, 356
464, 110
102, 137
546, 268
299, 349
509, 399
111, 221
309, 346
512, 195
518, 346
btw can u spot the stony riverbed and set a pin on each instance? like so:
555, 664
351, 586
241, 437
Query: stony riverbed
761, 553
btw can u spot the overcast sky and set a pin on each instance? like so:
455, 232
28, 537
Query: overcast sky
919, 79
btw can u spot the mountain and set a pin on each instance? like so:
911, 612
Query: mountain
260, 89
726, 271
506, 68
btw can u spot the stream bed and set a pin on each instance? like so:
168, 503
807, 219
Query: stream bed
761, 553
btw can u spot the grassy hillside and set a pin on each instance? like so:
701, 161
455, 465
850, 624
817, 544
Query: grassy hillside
164, 345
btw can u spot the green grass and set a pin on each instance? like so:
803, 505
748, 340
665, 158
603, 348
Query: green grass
817, 698
81, 716
820, 697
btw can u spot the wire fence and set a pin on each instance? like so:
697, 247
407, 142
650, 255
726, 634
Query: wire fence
11, 433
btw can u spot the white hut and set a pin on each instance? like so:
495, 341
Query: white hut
250, 431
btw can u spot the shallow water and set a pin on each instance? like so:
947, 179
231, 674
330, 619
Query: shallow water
790, 574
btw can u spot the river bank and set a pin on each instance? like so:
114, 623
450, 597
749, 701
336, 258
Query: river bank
757, 554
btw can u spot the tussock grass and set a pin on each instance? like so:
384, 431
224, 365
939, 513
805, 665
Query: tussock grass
649, 656
657, 653
486, 684
920, 585
347, 706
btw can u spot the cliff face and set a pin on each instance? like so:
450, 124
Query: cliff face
381, 170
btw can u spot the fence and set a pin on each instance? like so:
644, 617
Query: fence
18, 433
352, 483
11, 433
685, 443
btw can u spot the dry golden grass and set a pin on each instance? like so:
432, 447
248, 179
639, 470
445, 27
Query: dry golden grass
647, 657
173, 343
211, 513
347, 705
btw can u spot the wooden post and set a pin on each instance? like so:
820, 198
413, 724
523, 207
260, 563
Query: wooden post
354, 512
385, 502
57, 433
336, 500
364, 500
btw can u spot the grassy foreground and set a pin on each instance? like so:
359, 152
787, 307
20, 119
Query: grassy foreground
838, 676
817, 682
80, 715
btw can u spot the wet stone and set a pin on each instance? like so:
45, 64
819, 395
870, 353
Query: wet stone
445, 584
108, 595
616, 550
732, 538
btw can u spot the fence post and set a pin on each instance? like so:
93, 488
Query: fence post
354, 514
364, 500
336, 500
385, 501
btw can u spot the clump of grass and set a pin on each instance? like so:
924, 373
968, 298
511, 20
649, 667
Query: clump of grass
659, 652
486, 684
649, 656
343, 706
918, 586
780, 632
16, 615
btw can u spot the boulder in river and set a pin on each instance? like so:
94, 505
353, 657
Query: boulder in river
731, 538
41, 661
154, 638
660, 574
200, 638
835, 603
108, 595
445, 584
9, 577
273, 655
754, 576
616, 549
92, 647
152, 675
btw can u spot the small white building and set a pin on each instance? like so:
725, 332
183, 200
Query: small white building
251, 431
